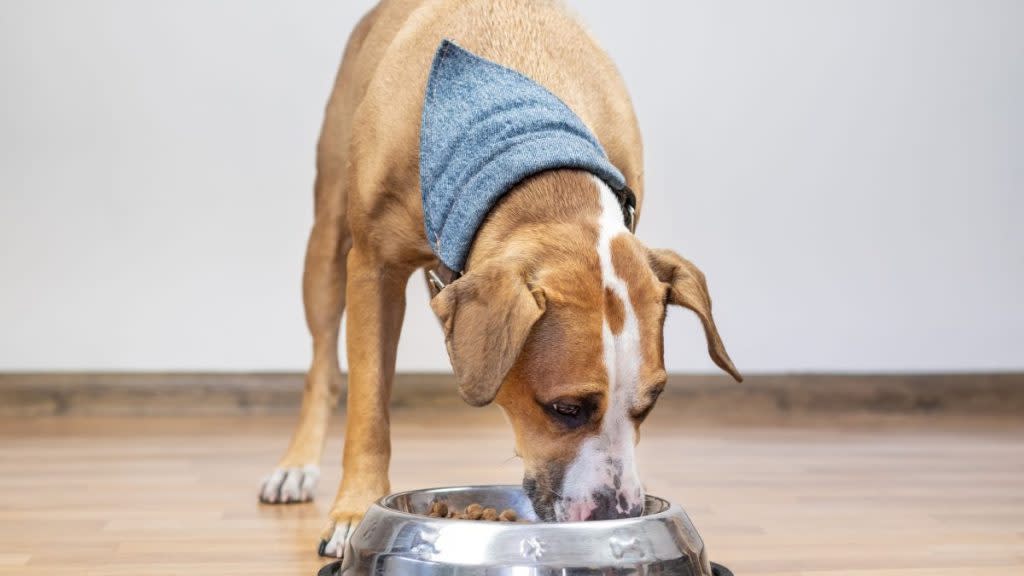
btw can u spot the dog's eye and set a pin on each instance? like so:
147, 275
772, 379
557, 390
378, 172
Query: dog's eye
566, 409
570, 414
571, 411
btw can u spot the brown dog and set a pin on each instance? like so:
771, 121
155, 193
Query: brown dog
559, 315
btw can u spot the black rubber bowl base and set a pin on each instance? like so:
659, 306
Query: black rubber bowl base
719, 570
332, 569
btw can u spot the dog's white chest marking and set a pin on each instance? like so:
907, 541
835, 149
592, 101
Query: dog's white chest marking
605, 464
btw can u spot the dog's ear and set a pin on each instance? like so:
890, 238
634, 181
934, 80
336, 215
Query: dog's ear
486, 315
687, 288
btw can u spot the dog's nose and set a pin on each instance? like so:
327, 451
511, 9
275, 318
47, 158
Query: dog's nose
613, 504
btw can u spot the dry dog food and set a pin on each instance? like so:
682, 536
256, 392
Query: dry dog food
440, 509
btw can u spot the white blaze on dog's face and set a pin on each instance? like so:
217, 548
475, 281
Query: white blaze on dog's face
565, 333
602, 480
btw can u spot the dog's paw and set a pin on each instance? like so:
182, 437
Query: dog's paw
290, 485
335, 537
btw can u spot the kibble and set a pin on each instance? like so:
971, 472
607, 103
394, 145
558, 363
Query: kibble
438, 509
441, 509
474, 511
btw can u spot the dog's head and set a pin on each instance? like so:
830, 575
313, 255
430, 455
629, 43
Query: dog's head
569, 343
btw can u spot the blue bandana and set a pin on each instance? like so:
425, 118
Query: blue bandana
485, 129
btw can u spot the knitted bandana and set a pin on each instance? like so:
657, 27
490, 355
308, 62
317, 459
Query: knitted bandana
485, 129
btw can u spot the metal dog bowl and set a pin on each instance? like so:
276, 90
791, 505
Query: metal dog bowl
396, 538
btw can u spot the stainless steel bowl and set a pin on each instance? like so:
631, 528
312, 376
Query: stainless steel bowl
396, 538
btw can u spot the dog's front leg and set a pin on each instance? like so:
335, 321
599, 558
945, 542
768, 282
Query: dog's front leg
376, 307
323, 293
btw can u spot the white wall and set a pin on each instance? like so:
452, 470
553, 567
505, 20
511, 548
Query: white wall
848, 174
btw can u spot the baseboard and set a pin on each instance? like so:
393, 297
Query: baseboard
691, 396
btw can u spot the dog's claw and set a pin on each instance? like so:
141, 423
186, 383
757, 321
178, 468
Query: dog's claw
335, 546
290, 485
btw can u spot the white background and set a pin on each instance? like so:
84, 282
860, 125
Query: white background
849, 174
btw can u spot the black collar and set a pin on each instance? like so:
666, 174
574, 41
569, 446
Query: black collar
627, 200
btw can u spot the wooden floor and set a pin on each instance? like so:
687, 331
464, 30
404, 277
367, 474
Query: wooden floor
131, 496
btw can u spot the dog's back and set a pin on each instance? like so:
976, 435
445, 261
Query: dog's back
388, 61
